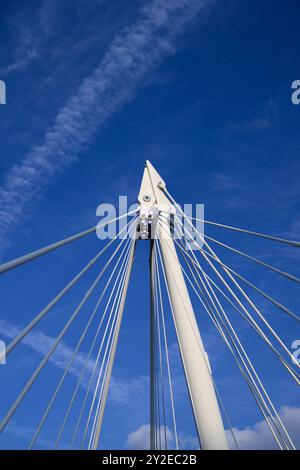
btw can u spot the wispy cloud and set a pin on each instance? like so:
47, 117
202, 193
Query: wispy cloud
251, 437
41, 343
134, 52
30, 30
25, 433
127, 393
268, 118
255, 124
259, 435
123, 392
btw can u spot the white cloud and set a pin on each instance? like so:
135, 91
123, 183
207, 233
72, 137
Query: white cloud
26, 432
124, 392
254, 124
41, 343
251, 437
259, 435
188, 442
127, 393
140, 438
131, 55
30, 30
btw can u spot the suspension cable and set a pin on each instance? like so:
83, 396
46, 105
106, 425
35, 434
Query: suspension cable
200, 347
32, 379
246, 281
225, 414
93, 343
42, 251
106, 382
248, 318
121, 273
106, 362
249, 232
246, 311
159, 343
152, 349
53, 302
289, 276
223, 335
96, 429
243, 351
239, 287
167, 354
109, 343
254, 392
46, 413
157, 408
252, 323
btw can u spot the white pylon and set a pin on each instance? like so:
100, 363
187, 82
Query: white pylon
194, 358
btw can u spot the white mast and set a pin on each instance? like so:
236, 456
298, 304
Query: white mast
194, 358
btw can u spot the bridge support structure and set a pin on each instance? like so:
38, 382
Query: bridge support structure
194, 357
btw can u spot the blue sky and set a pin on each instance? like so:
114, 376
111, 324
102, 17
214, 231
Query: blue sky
203, 90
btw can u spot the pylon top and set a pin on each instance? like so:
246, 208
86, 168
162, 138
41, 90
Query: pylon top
152, 200
151, 193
